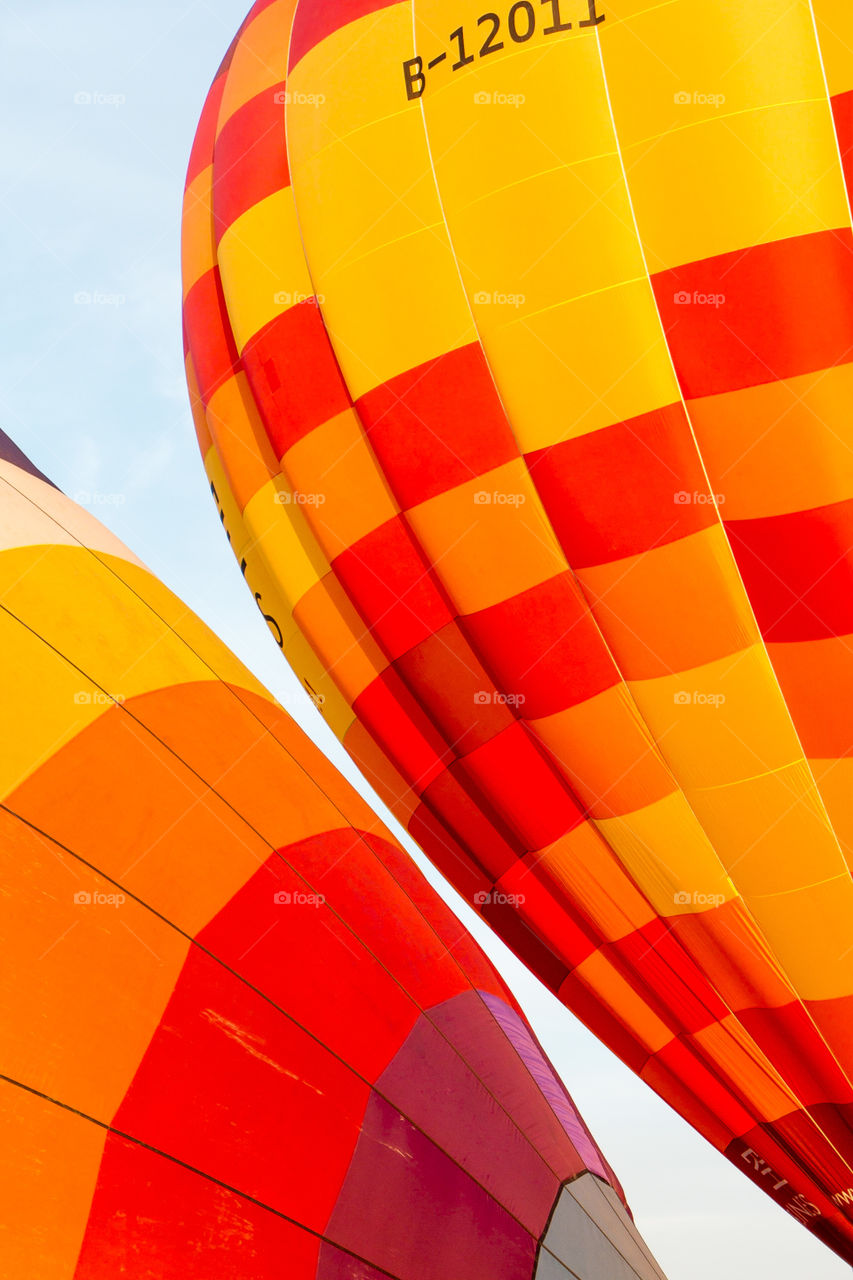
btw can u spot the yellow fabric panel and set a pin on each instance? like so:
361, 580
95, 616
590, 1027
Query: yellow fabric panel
130, 652
267, 593
284, 570
48, 1156
734, 120
810, 933
719, 723
800, 450
260, 57
489, 539
278, 530
335, 467
318, 683
739, 181
550, 398
670, 857
198, 246
543, 231
774, 816
834, 20
369, 212
264, 271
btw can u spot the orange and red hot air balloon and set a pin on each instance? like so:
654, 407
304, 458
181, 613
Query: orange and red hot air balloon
521, 351
241, 1035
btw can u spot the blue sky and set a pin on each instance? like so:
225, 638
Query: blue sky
100, 104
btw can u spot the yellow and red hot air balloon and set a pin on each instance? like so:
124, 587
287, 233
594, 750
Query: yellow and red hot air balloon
241, 1035
521, 350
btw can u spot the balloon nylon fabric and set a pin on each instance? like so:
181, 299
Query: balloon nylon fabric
520, 353
238, 1024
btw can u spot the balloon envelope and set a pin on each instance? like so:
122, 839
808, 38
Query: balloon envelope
520, 347
242, 1036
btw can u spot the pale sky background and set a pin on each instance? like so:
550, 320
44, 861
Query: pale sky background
90, 201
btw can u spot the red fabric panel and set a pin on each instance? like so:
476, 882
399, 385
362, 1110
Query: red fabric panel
316, 19
247, 1096
390, 583
798, 570
444, 673
294, 375
211, 344
536, 803
438, 426
778, 319
151, 1216
251, 158
613, 493
543, 648
403, 731
310, 964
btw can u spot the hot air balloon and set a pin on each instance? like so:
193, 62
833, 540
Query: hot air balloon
241, 1035
520, 345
